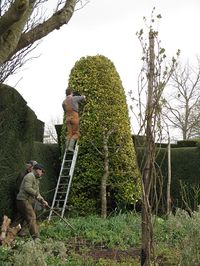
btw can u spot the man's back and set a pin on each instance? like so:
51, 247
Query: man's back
19, 180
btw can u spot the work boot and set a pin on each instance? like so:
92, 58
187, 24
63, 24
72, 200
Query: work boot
23, 233
71, 145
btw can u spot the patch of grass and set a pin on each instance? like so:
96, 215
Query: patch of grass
122, 230
166, 255
5, 256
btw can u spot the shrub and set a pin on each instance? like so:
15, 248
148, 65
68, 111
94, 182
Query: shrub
18, 127
104, 114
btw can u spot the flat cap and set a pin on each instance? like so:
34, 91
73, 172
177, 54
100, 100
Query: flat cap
39, 166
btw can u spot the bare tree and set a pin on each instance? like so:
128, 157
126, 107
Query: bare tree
183, 105
154, 76
104, 180
24, 22
50, 135
106, 154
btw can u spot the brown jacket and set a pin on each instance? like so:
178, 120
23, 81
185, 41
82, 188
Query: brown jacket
29, 189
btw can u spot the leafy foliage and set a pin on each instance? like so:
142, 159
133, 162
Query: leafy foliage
18, 128
185, 168
105, 113
176, 241
21, 135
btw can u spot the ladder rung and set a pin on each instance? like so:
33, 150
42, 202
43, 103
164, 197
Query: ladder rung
57, 209
64, 181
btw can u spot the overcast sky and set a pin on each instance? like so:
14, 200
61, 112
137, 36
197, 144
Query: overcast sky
106, 27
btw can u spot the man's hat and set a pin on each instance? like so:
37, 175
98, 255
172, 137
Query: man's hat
39, 166
31, 162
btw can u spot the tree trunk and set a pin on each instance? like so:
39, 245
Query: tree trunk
147, 172
12, 36
104, 179
169, 180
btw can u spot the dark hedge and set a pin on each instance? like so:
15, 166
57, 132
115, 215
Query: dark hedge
185, 169
19, 128
48, 155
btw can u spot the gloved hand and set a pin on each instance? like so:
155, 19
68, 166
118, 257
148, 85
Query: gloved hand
45, 203
40, 198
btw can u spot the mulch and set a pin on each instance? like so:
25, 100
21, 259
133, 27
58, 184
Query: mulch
117, 255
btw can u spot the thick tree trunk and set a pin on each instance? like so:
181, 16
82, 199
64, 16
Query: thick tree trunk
10, 38
14, 13
12, 23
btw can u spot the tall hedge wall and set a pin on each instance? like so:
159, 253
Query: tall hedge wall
104, 111
48, 155
19, 129
185, 170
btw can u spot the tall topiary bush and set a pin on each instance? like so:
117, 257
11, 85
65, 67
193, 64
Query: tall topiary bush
104, 115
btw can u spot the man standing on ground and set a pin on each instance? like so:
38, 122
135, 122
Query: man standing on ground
70, 106
29, 168
29, 192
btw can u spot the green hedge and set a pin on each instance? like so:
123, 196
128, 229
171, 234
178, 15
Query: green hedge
185, 170
188, 143
48, 155
104, 111
17, 133
19, 128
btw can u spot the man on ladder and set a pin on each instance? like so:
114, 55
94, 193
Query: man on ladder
70, 106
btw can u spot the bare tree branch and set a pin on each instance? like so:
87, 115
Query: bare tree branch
59, 18
22, 23
183, 106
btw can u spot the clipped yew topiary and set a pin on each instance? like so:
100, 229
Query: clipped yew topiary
185, 176
48, 155
104, 124
19, 131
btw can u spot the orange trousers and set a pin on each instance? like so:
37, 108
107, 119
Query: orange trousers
72, 123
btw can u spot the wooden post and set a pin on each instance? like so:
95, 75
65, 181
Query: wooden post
169, 179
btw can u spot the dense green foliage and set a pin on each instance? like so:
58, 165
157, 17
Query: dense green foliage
19, 129
48, 155
108, 242
185, 169
103, 114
